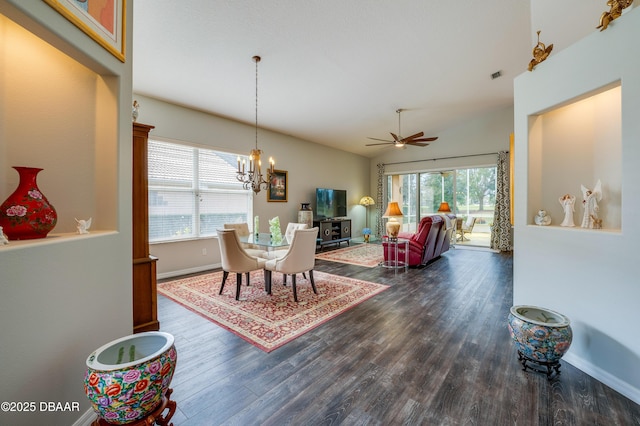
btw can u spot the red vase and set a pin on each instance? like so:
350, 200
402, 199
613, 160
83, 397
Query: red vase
27, 214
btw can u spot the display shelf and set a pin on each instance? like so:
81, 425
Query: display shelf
52, 239
60, 115
577, 143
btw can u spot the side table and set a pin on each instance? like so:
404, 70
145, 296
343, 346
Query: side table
393, 248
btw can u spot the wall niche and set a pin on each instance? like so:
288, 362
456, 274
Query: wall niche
576, 144
61, 116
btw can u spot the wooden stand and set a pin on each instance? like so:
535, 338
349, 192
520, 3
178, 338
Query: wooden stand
333, 231
145, 312
154, 418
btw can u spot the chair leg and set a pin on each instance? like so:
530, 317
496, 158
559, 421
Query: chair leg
238, 285
304, 275
267, 281
248, 275
293, 284
225, 274
313, 283
284, 279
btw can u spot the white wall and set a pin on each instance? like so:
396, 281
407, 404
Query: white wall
65, 107
309, 165
589, 275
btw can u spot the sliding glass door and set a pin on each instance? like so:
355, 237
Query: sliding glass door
476, 196
436, 187
469, 192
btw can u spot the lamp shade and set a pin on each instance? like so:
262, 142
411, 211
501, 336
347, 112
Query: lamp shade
393, 209
444, 207
367, 201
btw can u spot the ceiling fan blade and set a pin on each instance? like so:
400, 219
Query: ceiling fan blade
384, 143
383, 140
395, 137
417, 135
425, 139
417, 144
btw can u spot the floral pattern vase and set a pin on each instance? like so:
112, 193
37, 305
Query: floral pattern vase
127, 378
540, 334
27, 214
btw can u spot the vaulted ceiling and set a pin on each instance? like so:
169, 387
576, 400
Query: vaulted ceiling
334, 71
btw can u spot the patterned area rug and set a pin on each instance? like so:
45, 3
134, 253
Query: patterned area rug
369, 255
269, 322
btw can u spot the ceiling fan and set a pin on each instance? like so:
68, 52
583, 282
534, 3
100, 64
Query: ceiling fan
399, 141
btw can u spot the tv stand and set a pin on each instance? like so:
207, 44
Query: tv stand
333, 231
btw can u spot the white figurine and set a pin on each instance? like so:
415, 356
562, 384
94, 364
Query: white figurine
590, 199
567, 201
3, 237
135, 112
83, 226
542, 218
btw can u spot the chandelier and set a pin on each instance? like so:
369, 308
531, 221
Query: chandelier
251, 177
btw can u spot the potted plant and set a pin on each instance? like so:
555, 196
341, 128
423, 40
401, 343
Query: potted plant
366, 233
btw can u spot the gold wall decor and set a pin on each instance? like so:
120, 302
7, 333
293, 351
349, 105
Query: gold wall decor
540, 53
615, 10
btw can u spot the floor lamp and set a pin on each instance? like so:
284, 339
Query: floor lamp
367, 201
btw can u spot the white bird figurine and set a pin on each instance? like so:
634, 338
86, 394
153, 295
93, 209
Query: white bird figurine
83, 225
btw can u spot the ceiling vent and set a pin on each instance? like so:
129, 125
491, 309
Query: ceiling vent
496, 75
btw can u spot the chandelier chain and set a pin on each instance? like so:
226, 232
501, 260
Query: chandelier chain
256, 59
252, 177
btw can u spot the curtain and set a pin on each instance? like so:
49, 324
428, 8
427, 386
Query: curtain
501, 233
380, 205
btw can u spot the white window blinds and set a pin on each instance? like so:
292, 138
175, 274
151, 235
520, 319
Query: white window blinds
193, 192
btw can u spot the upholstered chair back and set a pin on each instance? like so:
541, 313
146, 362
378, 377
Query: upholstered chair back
234, 257
291, 227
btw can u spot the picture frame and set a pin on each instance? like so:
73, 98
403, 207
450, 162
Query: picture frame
278, 186
104, 24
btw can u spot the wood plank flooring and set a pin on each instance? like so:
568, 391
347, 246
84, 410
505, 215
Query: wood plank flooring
434, 349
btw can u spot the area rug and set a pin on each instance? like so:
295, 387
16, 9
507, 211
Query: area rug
369, 255
269, 322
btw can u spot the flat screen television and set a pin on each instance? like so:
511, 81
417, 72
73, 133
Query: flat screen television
330, 203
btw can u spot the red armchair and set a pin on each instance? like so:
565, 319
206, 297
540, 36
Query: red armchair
423, 245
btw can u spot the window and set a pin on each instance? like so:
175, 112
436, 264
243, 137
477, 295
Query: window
193, 192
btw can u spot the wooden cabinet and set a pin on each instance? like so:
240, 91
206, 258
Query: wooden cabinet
333, 231
145, 312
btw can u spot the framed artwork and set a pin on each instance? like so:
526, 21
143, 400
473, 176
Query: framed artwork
102, 20
277, 186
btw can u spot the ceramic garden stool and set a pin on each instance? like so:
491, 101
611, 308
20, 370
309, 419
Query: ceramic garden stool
127, 380
541, 336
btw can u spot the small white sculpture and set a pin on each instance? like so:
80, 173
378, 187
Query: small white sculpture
83, 225
542, 218
135, 111
567, 201
3, 237
590, 199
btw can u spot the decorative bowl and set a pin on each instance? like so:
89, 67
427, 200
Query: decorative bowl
540, 334
127, 378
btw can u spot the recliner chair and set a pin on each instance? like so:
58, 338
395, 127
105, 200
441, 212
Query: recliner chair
422, 243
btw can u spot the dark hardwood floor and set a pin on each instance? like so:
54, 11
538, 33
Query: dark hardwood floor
434, 349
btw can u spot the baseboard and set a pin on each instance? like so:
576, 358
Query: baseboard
188, 271
86, 419
599, 374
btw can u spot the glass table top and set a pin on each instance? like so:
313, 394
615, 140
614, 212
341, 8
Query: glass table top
264, 240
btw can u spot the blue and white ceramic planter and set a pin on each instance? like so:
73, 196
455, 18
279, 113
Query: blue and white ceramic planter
541, 335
